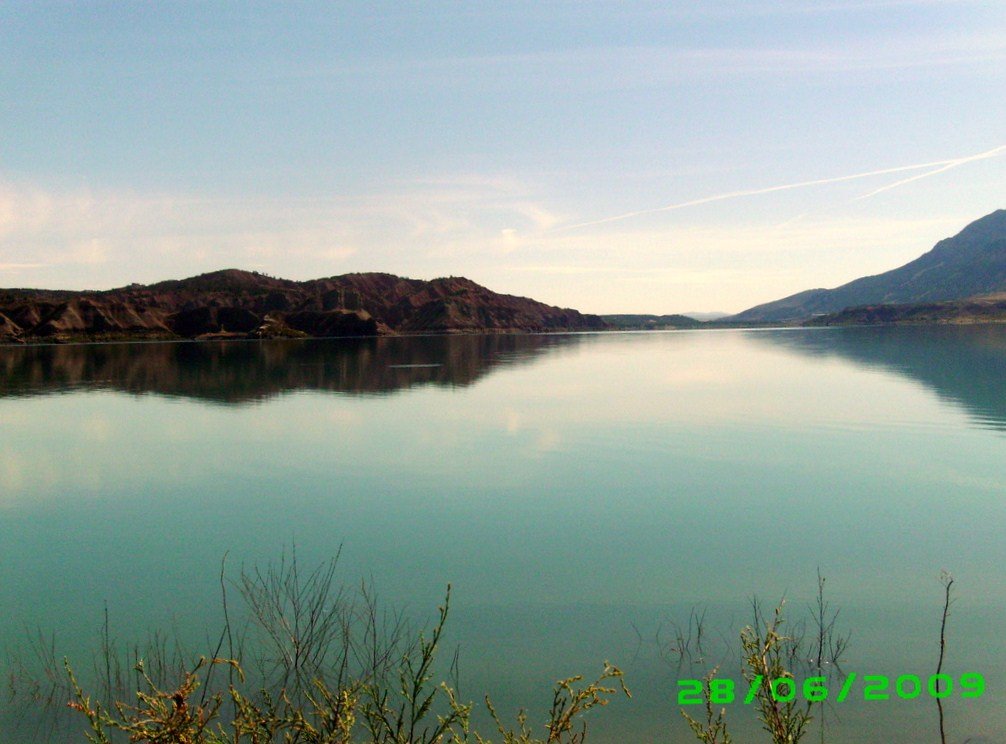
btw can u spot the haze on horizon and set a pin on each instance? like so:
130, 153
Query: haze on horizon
607, 156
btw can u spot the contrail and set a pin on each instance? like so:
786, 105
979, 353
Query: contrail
945, 167
939, 165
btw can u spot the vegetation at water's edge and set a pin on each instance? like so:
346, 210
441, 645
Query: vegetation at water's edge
312, 662
320, 664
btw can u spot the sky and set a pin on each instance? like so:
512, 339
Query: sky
651, 157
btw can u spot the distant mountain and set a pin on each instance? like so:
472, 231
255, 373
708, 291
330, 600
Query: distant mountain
650, 322
702, 315
971, 263
244, 304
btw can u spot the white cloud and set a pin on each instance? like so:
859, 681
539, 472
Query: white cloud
88, 251
697, 266
115, 237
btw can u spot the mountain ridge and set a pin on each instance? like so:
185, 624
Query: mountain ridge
968, 264
234, 303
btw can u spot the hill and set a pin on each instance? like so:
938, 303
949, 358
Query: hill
972, 263
241, 304
650, 322
984, 309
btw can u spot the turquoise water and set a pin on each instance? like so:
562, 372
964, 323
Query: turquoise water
581, 494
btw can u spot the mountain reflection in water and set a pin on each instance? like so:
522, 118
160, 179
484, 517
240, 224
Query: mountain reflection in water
964, 365
236, 372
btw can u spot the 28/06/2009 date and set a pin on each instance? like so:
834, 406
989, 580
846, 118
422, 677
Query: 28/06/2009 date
815, 689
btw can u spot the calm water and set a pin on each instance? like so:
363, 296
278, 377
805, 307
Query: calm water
581, 493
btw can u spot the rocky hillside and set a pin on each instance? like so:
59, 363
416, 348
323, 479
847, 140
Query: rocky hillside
971, 263
234, 303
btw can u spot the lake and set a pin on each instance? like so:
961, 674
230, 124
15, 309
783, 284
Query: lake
583, 494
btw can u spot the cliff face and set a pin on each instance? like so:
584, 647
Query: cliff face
234, 303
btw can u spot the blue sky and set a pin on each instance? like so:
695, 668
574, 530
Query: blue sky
533, 147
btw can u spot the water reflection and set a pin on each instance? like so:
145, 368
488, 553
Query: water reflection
574, 504
244, 372
964, 365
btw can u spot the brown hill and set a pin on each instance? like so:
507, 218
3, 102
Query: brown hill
243, 304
